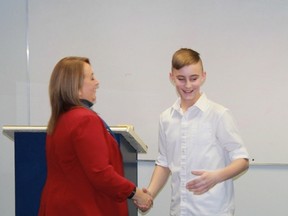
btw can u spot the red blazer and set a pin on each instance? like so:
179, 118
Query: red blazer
84, 169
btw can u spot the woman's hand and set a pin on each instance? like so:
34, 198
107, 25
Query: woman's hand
143, 200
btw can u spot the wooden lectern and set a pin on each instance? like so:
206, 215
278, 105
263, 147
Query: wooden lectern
30, 163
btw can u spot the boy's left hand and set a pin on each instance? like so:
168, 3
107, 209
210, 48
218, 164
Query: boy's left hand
203, 183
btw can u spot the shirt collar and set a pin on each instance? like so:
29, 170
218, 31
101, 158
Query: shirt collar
202, 104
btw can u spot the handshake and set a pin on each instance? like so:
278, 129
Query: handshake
143, 199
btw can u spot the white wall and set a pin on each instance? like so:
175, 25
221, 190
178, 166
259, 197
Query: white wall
130, 43
131, 60
13, 91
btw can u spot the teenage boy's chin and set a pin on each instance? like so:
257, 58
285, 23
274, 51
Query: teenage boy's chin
188, 96
188, 100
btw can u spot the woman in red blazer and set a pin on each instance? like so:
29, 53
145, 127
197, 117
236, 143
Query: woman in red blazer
84, 164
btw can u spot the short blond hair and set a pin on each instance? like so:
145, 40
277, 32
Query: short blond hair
184, 57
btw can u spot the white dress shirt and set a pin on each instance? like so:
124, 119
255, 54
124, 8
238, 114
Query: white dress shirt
205, 137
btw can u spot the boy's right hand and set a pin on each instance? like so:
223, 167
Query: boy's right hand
143, 200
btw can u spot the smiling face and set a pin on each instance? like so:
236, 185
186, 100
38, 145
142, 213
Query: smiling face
188, 81
90, 84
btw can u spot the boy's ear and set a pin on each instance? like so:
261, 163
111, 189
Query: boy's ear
203, 76
171, 78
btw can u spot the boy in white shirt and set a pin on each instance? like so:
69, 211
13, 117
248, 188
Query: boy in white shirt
199, 145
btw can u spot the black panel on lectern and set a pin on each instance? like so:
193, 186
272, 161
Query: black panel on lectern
30, 171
